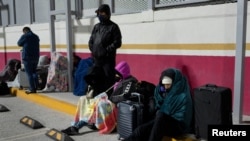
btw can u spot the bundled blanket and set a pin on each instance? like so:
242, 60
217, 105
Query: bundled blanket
80, 84
57, 79
98, 110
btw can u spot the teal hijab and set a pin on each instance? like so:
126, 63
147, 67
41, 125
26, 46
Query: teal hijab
178, 102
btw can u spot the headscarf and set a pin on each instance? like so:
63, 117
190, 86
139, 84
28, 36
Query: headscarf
177, 103
123, 70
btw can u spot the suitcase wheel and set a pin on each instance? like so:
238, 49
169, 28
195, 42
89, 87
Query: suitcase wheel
119, 137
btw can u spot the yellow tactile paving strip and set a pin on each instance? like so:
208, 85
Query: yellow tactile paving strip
46, 101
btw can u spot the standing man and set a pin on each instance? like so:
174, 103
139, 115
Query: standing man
30, 56
105, 39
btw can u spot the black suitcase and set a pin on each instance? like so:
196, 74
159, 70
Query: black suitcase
130, 116
42, 74
212, 106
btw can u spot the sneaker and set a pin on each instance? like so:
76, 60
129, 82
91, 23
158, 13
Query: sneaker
72, 130
49, 89
29, 91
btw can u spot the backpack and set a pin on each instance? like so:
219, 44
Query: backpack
146, 89
4, 89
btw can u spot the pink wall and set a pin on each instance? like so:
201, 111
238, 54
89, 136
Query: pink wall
199, 70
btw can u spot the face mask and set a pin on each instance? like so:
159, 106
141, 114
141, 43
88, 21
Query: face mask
117, 78
101, 18
167, 90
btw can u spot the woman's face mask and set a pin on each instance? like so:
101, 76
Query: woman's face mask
117, 78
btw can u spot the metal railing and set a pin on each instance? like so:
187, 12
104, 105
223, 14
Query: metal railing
10, 14
176, 3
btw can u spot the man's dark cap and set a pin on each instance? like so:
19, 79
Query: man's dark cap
104, 8
26, 29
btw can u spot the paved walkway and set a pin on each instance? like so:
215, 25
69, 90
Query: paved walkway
65, 102
62, 102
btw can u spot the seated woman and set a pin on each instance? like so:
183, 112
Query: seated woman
103, 108
10, 70
174, 109
125, 85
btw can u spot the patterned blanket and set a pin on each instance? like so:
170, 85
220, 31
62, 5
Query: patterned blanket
98, 110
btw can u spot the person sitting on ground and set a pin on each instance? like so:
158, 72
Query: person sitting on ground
174, 109
10, 70
105, 107
82, 69
125, 86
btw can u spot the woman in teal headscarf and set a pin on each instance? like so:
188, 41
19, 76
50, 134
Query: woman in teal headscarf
173, 103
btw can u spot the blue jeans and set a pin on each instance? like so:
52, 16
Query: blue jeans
80, 124
30, 69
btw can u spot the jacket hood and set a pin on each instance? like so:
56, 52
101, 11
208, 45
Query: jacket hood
104, 8
124, 69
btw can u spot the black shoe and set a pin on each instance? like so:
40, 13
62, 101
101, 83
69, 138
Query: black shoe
72, 130
30, 92
91, 126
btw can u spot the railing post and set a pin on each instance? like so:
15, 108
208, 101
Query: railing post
239, 60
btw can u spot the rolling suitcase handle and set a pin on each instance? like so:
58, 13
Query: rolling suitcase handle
211, 85
138, 95
208, 87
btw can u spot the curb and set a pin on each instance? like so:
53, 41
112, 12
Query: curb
46, 101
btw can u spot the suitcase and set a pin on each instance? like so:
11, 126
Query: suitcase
23, 82
212, 106
42, 74
130, 116
22, 79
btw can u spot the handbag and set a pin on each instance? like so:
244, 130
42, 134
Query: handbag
87, 104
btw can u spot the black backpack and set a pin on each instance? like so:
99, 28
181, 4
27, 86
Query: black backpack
146, 89
4, 89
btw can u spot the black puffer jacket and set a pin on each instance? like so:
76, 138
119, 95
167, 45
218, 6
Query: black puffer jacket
104, 40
